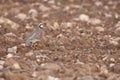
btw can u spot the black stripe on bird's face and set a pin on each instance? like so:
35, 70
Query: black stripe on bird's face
40, 26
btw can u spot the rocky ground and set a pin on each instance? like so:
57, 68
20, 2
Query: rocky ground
81, 40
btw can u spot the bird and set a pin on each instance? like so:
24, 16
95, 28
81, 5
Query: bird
37, 34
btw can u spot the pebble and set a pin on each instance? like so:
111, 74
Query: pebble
113, 42
84, 17
1, 67
33, 12
117, 68
34, 74
111, 65
98, 3
2, 79
55, 7
44, 8
118, 24
85, 78
29, 53
69, 24
107, 15
9, 55
66, 24
16, 66
52, 78
112, 59
117, 31
21, 16
10, 34
28, 26
12, 24
106, 7
45, 0
55, 26
62, 39
100, 29
50, 66
104, 70
66, 8
12, 50
2, 62
45, 15
51, 1
116, 15
22, 44
94, 21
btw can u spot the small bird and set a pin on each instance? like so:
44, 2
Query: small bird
37, 34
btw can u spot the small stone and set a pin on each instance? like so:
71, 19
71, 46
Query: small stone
56, 26
50, 66
114, 43
2, 79
28, 26
51, 1
33, 12
45, 0
112, 59
44, 8
117, 15
29, 53
16, 66
118, 24
100, 29
2, 62
38, 60
1, 67
21, 16
117, 68
104, 70
9, 34
111, 65
107, 15
94, 21
69, 24
84, 17
9, 75
55, 7
10, 37
117, 31
106, 7
45, 15
52, 78
9, 55
23, 44
98, 3
85, 78
12, 24
15, 26
66, 8
34, 74
2, 20
62, 39
12, 50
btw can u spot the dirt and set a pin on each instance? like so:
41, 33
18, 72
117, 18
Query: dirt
81, 40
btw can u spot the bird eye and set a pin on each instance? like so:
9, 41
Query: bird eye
40, 26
